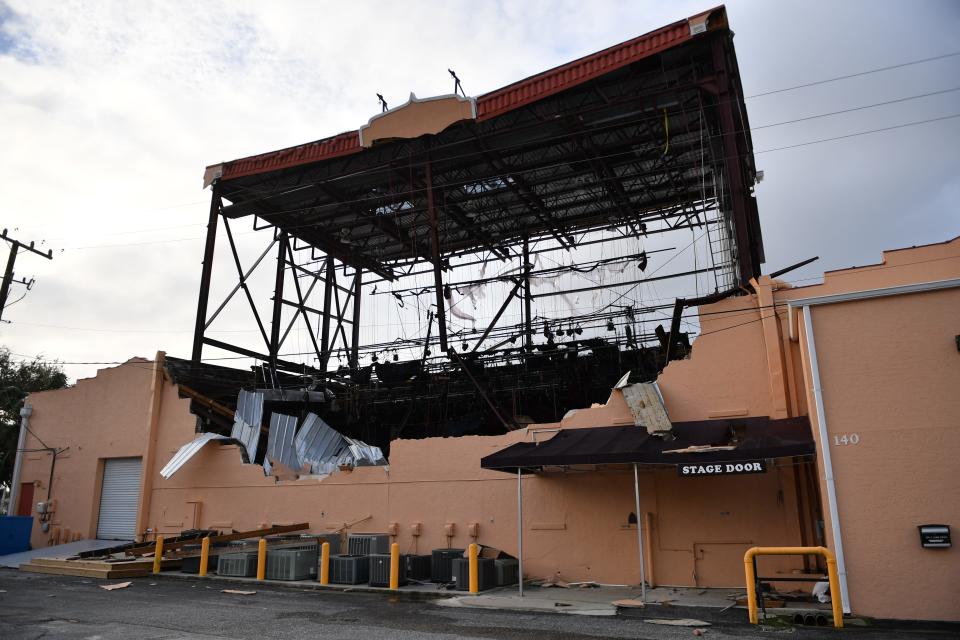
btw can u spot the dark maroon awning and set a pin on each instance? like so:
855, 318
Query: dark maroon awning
750, 438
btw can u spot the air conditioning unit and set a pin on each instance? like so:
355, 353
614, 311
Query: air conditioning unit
486, 574
508, 571
333, 539
418, 567
349, 569
292, 563
380, 570
239, 565
365, 544
441, 562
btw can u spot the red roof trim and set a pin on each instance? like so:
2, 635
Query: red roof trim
489, 105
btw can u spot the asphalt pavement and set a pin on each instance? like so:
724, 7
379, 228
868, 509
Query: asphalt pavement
34, 606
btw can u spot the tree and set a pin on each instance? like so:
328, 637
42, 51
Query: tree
17, 380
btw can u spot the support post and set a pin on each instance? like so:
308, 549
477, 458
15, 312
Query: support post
278, 300
325, 331
394, 566
355, 333
8, 276
474, 568
325, 563
437, 259
643, 569
262, 560
520, 531
527, 319
206, 273
158, 555
204, 556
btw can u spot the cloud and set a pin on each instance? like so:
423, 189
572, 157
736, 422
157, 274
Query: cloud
111, 110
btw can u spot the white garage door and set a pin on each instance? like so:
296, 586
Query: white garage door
119, 499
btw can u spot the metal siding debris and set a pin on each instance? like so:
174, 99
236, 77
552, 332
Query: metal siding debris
246, 426
317, 443
187, 451
280, 440
646, 405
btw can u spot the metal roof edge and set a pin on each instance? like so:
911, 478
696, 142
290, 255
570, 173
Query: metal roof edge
493, 103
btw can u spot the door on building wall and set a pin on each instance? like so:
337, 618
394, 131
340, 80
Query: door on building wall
119, 499
25, 501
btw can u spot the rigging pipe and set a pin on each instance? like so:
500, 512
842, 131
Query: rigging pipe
436, 257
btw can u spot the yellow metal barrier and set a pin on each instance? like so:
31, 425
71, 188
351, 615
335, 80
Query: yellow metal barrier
474, 570
394, 566
204, 556
751, 554
262, 559
158, 555
325, 563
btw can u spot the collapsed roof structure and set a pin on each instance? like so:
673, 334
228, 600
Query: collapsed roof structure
643, 141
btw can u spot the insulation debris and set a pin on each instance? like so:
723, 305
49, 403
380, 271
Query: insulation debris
112, 587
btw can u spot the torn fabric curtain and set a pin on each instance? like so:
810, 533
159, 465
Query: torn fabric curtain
752, 439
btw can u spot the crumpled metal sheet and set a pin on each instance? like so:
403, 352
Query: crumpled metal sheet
361, 454
247, 419
280, 447
646, 406
317, 443
187, 451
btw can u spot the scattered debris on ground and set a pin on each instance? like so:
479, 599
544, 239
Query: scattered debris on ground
118, 585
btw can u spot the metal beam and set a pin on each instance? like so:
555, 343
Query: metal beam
201, 323
355, 334
277, 298
496, 318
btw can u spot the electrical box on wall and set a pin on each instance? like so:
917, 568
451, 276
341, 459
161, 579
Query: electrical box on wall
934, 536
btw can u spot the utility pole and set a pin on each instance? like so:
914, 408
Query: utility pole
15, 246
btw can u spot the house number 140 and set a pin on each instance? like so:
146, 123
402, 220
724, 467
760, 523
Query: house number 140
845, 439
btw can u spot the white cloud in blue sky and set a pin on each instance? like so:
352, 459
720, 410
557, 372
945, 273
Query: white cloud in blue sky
109, 112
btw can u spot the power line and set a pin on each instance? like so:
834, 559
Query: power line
859, 133
852, 75
852, 109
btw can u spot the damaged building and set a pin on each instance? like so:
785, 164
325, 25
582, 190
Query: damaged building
751, 413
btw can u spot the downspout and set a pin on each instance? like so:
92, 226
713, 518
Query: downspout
825, 455
150, 452
25, 414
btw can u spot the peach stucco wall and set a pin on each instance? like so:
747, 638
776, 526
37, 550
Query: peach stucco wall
575, 524
98, 418
890, 371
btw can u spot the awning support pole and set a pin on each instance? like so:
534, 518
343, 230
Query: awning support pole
643, 571
520, 531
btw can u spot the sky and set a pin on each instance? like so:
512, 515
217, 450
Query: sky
109, 113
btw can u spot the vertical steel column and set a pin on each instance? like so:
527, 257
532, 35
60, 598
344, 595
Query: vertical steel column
643, 569
734, 159
527, 319
355, 333
520, 530
325, 331
435, 256
278, 299
206, 273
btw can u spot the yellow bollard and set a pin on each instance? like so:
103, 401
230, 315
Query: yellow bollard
158, 555
835, 597
474, 570
262, 559
394, 566
204, 556
325, 563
